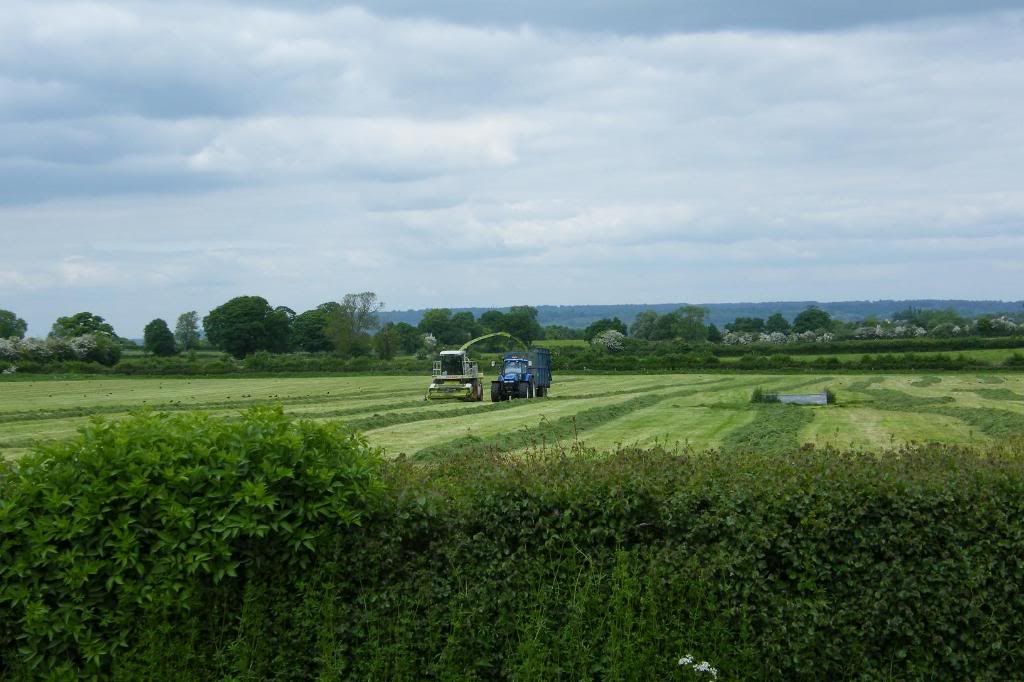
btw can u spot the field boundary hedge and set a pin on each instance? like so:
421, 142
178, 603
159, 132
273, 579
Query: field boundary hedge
181, 547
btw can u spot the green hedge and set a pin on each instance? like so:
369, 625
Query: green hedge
159, 521
659, 356
558, 565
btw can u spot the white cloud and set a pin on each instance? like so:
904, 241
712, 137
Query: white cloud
202, 150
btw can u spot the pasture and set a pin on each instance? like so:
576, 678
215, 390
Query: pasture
697, 411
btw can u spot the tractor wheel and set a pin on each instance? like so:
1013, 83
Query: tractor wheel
524, 389
495, 392
478, 392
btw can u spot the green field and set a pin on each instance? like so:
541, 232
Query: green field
686, 410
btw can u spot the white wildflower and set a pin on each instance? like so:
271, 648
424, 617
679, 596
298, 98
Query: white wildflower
705, 667
702, 667
9, 350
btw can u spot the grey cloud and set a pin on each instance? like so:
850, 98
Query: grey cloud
663, 16
205, 150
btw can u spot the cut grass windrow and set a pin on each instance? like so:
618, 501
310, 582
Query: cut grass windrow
546, 431
186, 405
925, 382
998, 394
380, 421
774, 429
865, 383
990, 421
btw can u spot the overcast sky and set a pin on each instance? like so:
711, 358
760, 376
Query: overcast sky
160, 157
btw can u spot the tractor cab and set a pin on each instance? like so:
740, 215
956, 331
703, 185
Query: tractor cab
513, 369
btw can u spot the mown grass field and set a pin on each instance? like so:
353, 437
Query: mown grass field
687, 410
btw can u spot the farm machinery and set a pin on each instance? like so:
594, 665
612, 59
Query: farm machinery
524, 374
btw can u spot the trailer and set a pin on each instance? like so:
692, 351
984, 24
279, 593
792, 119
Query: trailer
524, 374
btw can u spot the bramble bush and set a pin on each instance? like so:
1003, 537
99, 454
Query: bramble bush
159, 520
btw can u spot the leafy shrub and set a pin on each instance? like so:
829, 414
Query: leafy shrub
759, 395
1015, 360
158, 518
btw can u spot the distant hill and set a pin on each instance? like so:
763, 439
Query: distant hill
580, 316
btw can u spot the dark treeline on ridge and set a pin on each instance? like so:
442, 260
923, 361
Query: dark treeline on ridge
719, 314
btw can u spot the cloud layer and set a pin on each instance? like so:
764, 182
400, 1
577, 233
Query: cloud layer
162, 157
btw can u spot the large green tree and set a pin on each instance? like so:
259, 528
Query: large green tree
186, 331
812, 319
349, 326
603, 325
492, 320
158, 339
521, 322
438, 322
644, 325
410, 339
11, 326
386, 342
80, 324
777, 323
247, 324
309, 329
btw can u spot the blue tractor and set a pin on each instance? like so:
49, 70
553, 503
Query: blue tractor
524, 374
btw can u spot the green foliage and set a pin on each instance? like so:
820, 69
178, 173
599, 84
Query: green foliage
812, 319
186, 331
557, 332
309, 329
386, 342
81, 324
759, 395
777, 323
161, 519
752, 325
686, 324
158, 339
929, 319
349, 324
247, 324
12, 326
574, 565
410, 339
520, 321
603, 325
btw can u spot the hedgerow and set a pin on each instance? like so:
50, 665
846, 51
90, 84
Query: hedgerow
156, 517
563, 563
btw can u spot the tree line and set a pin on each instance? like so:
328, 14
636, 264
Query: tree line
351, 328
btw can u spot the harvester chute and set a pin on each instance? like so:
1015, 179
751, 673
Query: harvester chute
456, 377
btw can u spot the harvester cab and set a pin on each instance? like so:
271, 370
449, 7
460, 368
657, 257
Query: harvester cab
455, 376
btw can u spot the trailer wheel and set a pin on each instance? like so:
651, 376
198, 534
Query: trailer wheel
532, 390
540, 392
